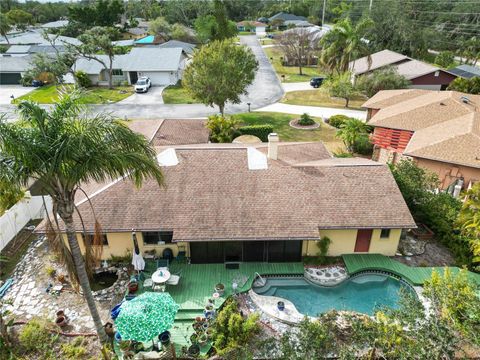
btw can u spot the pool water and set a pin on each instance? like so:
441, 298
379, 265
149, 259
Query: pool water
363, 293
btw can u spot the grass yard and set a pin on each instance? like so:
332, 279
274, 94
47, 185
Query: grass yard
321, 98
94, 95
281, 126
176, 94
290, 72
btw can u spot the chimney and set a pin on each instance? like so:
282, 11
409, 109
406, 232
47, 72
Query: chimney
273, 146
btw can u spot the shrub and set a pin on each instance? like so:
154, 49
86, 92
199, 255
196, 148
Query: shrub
445, 59
470, 86
260, 131
46, 77
342, 154
27, 79
222, 129
363, 146
337, 120
306, 120
35, 335
323, 244
3, 49
75, 350
83, 79
50, 271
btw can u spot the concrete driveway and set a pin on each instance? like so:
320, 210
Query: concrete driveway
297, 86
16, 90
152, 97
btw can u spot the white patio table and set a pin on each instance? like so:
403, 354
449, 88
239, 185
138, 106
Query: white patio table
160, 276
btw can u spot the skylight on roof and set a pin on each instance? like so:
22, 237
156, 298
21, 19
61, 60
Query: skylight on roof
167, 158
256, 159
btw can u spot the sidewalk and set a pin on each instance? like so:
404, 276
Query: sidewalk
316, 111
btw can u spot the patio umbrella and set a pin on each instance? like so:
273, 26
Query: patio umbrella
146, 316
137, 259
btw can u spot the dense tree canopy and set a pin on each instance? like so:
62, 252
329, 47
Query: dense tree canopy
220, 72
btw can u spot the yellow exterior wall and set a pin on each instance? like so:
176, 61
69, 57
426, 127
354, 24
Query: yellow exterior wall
343, 242
119, 244
386, 246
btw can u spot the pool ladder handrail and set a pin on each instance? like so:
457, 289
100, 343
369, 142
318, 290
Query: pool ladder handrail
263, 281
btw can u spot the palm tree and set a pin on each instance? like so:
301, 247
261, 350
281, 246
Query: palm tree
5, 27
345, 43
469, 220
350, 131
63, 148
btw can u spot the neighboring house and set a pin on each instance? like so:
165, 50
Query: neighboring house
162, 66
12, 68
439, 130
269, 202
466, 71
137, 32
286, 17
151, 40
55, 24
130, 42
252, 26
35, 38
421, 75
22, 50
187, 47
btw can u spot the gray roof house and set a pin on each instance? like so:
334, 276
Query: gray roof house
164, 66
287, 17
187, 47
12, 68
35, 38
22, 50
55, 24
421, 74
466, 71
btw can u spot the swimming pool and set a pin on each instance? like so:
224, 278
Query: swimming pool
362, 293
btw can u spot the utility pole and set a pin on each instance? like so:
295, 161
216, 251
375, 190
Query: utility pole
323, 12
370, 6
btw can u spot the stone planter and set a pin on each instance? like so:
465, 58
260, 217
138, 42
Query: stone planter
203, 339
194, 350
61, 321
220, 289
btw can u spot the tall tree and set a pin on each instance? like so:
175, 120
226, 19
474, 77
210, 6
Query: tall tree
21, 19
220, 72
341, 86
5, 26
345, 43
63, 148
298, 45
94, 40
160, 26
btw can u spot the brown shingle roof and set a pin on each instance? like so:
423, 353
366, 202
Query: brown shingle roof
446, 124
211, 194
181, 131
387, 98
424, 110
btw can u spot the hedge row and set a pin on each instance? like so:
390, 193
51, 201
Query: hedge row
260, 131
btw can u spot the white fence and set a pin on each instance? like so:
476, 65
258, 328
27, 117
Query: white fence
19, 215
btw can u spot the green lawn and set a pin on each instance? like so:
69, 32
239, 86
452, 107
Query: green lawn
94, 95
321, 98
290, 72
281, 126
176, 94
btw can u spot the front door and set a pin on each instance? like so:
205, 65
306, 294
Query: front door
363, 240
133, 77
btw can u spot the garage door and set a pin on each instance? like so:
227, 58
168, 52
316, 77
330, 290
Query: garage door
157, 78
10, 78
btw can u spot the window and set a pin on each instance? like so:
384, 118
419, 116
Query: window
437, 73
89, 237
385, 234
118, 72
157, 237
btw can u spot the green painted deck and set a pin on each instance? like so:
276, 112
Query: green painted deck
415, 275
197, 283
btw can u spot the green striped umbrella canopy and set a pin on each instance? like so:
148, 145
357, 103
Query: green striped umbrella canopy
146, 316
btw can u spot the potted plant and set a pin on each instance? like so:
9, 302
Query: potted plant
198, 319
126, 349
203, 339
194, 338
220, 288
61, 321
132, 287
194, 350
109, 329
281, 305
164, 338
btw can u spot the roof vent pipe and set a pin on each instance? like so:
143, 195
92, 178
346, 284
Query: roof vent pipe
465, 99
273, 146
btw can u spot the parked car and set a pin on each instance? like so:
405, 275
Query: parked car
37, 83
316, 82
143, 84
